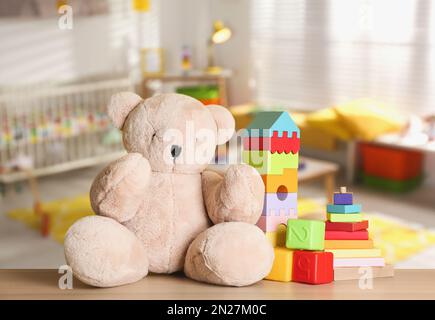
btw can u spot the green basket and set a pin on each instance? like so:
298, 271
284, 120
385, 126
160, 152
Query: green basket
392, 185
200, 92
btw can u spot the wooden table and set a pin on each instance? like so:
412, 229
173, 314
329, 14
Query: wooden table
43, 284
319, 169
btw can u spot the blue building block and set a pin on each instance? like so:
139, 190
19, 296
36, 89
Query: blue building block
343, 208
343, 198
266, 122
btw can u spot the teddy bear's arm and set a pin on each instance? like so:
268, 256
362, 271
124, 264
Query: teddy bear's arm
238, 195
118, 191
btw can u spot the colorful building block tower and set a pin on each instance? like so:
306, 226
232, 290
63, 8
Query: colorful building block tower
271, 145
347, 238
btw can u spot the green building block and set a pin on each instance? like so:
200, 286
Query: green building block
266, 162
345, 217
305, 234
392, 185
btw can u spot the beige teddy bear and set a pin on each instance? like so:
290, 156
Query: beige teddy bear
156, 206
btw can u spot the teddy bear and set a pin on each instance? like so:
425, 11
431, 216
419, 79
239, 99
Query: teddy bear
158, 209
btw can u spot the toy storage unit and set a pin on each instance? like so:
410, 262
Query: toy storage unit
391, 169
50, 128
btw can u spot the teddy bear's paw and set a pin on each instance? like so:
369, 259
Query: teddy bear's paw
118, 191
104, 253
242, 194
229, 253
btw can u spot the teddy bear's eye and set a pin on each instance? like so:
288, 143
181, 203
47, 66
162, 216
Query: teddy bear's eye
154, 135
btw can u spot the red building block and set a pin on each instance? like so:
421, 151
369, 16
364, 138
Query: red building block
314, 267
347, 226
345, 235
273, 144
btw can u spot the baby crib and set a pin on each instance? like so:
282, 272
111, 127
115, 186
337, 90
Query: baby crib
49, 128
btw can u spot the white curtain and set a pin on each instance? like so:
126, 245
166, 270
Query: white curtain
313, 54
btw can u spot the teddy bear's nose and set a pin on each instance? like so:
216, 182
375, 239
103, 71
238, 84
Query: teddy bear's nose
175, 150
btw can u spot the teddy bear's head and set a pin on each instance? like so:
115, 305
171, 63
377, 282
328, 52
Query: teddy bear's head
176, 133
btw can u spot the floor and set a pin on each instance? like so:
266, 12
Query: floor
21, 247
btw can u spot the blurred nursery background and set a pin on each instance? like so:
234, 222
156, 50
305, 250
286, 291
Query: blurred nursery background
357, 76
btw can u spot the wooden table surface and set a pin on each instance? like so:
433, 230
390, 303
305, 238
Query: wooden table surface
43, 284
315, 169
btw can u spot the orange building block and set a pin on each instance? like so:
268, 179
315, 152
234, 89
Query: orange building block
287, 182
349, 244
282, 268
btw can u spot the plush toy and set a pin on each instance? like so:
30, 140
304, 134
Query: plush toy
158, 209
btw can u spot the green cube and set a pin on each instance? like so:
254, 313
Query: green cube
305, 234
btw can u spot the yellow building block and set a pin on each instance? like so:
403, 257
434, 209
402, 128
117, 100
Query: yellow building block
277, 238
282, 265
355, 253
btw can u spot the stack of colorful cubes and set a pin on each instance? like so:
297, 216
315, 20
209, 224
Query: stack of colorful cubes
303, 258
271, 145
347, 236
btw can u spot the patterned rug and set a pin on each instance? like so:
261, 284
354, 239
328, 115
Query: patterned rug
402, 242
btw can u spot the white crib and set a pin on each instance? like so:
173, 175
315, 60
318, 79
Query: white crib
51, 128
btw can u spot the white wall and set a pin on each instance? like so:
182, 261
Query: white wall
35, 49
189, 22
236, 53
38, 50
184, 23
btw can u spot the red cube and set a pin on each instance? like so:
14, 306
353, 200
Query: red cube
314, 267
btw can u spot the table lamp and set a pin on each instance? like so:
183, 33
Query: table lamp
220, 34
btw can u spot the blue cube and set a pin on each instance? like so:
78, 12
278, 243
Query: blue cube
343, 198
343, 208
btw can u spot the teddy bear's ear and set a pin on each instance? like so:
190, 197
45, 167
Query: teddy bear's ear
120, 106
225, 122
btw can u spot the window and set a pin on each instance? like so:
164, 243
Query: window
314, 54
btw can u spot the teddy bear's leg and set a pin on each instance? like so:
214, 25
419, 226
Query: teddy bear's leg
104, 253
229, 253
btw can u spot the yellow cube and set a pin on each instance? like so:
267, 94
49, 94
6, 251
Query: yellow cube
282, 265
277, 238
